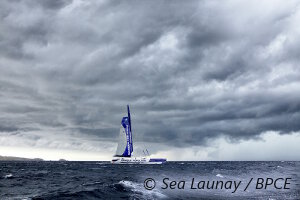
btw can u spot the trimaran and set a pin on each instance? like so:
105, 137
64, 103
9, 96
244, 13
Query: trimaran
125, 146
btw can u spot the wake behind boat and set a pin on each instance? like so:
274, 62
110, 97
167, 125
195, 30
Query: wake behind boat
125, 146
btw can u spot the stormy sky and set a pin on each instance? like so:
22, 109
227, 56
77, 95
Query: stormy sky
211, 80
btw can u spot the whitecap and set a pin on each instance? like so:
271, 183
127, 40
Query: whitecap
8, 176
219, 175
128, 184
139, 188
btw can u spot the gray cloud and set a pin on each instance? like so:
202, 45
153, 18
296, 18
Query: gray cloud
190, 71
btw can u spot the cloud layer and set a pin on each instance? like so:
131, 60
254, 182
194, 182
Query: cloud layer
190, 71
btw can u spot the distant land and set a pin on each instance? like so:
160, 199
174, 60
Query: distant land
11, 158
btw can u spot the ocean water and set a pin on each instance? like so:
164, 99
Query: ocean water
102, 180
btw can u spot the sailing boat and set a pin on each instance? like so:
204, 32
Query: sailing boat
125, 146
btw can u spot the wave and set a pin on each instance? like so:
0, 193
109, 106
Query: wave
220, 175
121, 190
141, 192
71, 195
94, 183
8, 176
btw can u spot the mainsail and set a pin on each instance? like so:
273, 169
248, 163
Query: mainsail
125, 146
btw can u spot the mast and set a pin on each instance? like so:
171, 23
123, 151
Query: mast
129, 119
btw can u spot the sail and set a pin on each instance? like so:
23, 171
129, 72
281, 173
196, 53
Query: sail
125, 146
122, 143
129, 120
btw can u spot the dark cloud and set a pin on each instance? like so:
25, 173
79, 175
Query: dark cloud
190, 71
53, 4
8, 128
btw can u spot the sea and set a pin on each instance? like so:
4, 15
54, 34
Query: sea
39, 180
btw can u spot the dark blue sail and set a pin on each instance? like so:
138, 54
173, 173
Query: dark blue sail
129, 120
126, 126
125, 146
